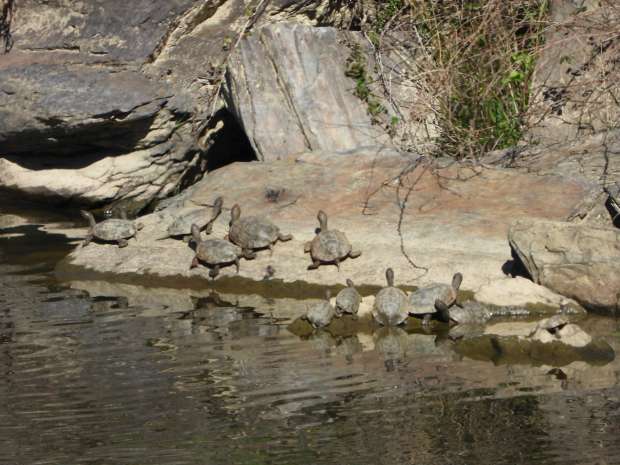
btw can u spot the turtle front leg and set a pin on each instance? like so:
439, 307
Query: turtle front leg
122, 243
88, 238
237, 264
307, 247
285, 237
355, 253
337, 263
315, 265
213, 272
248, 254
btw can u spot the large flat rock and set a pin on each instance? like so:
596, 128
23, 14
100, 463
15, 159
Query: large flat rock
454, 219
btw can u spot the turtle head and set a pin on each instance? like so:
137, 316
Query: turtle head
350, 283
457, 279
196, 233
444, 311
235, 213
217, 209
322, 217
389, 276
89, 216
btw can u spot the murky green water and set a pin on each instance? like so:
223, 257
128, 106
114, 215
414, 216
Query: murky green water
99, 373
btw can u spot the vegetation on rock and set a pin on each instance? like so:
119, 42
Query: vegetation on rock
471, 62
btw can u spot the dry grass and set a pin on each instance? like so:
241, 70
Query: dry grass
469, 63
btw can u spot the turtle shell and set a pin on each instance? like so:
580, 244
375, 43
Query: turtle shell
422, 301
114, 229
252, 232
217, 251
390, 306
348, 301
330, 245
182, 226
321, 314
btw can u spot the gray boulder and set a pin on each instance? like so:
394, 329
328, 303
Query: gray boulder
574, 260
286, 85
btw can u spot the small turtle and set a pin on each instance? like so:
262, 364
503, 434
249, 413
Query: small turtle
182, 226
329, 245
391, 305
348, 300
321, 314
253, 232
214, 253
111, 230
424, 301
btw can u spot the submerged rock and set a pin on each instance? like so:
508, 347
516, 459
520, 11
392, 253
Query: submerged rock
558, 329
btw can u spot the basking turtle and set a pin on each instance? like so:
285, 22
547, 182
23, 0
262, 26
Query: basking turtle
182, 226
470, 313
390, 303
424, 300
348, 300
253, 232
214, 253
321, 314
329, 245
111, 230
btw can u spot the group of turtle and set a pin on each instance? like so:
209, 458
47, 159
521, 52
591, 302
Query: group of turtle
246, 235
392, 305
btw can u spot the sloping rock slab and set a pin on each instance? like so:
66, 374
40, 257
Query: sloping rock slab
67, 110
287, 86
454, 218
577, 261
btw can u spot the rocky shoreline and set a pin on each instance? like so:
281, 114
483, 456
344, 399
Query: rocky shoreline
117, 120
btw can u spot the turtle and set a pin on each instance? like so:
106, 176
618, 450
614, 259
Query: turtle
182, 226
111, 230
329, 245
253, 232
348, 300
321, 314
391, 306
214, 253
470, 313
424, 301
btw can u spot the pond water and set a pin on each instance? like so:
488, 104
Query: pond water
104, 373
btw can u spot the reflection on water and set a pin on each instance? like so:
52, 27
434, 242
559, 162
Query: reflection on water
99, 373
